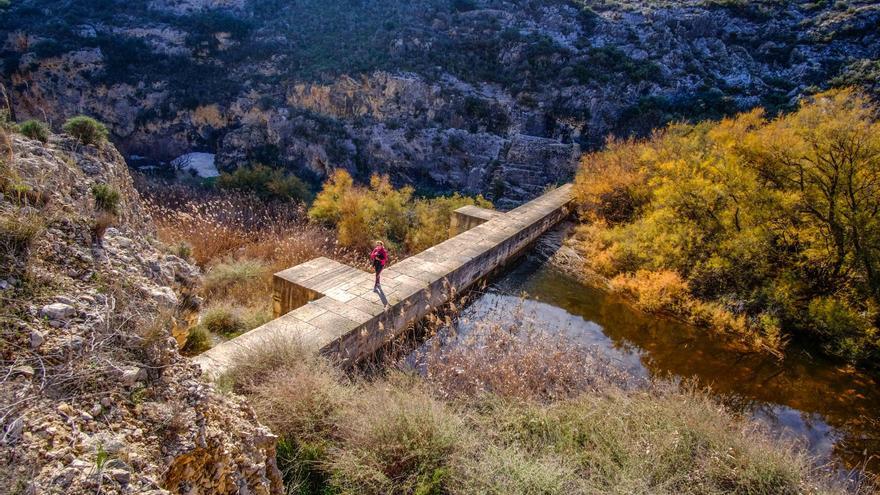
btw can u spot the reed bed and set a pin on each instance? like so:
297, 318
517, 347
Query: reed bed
239, 240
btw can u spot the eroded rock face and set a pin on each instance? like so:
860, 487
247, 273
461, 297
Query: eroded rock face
430, 91
97, 397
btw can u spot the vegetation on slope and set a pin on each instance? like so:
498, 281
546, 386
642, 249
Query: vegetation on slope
239, 240
765, 228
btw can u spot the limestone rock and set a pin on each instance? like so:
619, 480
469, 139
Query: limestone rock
36, 339
58, 311
145, 408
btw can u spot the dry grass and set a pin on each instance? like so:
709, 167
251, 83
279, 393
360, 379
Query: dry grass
399, 433
234, 225
239, 240
514, 359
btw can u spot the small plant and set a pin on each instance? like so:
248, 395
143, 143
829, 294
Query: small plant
35, 129
182, 249
106, 198
86, 129
222, 321
197, 341
102, 222
17, 235
101, 457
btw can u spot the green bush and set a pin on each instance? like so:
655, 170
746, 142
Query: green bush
222, 321
224, 278
197, 341
106, 198
266, 182
86, 129
847, 331
35, 129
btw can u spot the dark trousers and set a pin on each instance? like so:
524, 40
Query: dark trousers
377, 265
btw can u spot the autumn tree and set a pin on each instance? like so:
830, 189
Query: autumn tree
774, 220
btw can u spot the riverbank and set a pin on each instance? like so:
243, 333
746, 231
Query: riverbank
559, 249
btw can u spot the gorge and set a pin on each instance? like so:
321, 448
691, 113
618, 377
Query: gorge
705, 319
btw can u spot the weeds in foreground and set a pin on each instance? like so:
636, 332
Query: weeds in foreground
399, 433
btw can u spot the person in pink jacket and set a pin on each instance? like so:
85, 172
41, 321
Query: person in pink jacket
379, 257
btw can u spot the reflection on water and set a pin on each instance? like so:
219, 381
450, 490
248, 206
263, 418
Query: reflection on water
833, 411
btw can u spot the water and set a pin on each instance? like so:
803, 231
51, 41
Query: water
832, 411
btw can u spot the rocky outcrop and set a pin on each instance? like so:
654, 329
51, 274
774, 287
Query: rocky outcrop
432, 92
95, 396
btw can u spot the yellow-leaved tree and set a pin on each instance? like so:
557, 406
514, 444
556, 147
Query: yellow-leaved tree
773, 225
362, 215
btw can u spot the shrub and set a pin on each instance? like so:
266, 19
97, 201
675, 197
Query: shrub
222, 321
847, 332
18, 231
510, 470
259, 362
655, 291
365, 214
231, 278
303, 400
266, 182
106, 198
182, 249
720, 204
433, 218
102, 222
34, 129
86, 129
517, 361
197, 341
406, 449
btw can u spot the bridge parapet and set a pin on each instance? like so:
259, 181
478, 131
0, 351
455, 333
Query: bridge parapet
333, 309
468, 217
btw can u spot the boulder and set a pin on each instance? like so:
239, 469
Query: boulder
58, 311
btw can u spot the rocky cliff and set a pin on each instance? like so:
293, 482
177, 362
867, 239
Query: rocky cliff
493, 96
94, 397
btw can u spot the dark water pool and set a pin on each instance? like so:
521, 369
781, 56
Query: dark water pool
833, 411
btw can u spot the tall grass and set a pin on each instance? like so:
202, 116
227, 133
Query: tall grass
239, 240
229, 224
399, 433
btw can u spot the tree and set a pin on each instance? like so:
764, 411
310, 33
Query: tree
363, 215
774, 220
828, 153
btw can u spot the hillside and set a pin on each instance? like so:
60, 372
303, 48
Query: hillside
490, 96
95, 397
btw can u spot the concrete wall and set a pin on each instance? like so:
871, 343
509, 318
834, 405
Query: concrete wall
468, 217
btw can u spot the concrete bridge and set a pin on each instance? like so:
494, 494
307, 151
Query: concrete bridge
332, 308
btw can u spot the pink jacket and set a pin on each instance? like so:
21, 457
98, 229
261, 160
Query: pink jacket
379, 253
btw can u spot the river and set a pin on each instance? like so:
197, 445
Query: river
831, 410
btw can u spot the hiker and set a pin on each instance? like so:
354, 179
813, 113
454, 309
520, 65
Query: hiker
379, 257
